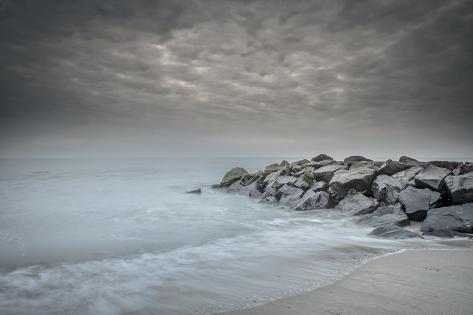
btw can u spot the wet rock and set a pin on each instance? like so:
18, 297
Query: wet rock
391, 167
460, 188
431, 177
408, 160
322, 157
358, 179
232, 176
325, 173
450, 165
289, 195
195, 191
235, 187
253, 189
356, 158
394, 232
319, 186
357, 204
386, 216
314, 200
416, 202
449, 221
254, 194
386, 189
408, 174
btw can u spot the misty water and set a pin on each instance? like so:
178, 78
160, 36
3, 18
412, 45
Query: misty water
122, 236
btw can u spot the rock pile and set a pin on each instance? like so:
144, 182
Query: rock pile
386, 195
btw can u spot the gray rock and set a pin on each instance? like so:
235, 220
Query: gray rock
301, 162
272, 177
358, 179
408, 160
386, 189
357, 204
386, 216
449, 221
431, 177
271, 168
466, 167
195, 191
254, 194
321, 157
417, 202
325, 173
319, 186
460, 188
356, 158
408, 174
450, 165
252, 189
394, 232
284, 163
391, 167
232, 176
289, 195
235, 187
314, 200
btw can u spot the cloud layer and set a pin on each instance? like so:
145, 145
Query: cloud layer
236, 77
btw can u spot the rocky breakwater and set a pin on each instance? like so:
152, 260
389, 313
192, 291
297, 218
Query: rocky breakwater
386, 195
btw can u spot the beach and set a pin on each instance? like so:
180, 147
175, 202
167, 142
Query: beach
409, 282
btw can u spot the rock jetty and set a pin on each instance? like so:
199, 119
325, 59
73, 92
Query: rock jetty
386, 195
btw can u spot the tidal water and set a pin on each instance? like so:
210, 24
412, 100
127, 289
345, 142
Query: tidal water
121, 236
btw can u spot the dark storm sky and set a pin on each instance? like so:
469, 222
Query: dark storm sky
246, 78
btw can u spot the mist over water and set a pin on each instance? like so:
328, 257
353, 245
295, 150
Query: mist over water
118, 236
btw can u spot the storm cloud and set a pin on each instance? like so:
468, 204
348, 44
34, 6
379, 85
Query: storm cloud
246, 78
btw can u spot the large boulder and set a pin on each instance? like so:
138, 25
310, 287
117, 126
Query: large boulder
409, 174
394, 232
465, 168
232, 176
289, 195
357, 204
449, 221
386, 216
325, 173
391, 167
356, 158
322, 157
358, 179
271, 168
460, 188
319, 186
431, 177
416, 202
314, 200
450, 165
408, 160
386, 189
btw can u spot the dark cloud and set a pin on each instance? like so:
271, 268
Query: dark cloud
236, 77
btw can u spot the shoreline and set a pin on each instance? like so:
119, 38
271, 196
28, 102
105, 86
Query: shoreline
409, 281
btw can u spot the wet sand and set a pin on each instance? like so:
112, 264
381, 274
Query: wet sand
410, 282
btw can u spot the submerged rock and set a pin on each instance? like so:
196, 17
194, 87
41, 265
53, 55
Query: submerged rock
460, 188
431, 177
385, 216
232, 176
449, 221
394, 232
357, 204
358, 179
195, 191
314, 200
417, 202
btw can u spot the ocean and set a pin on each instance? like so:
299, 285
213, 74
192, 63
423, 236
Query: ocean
122, 236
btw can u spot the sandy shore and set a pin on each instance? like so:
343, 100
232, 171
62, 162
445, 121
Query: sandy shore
411, 282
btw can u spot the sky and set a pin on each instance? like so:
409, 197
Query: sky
115, 78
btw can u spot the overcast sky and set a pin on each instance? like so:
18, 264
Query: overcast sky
236, 78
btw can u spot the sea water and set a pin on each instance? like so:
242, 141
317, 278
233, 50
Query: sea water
119, 236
